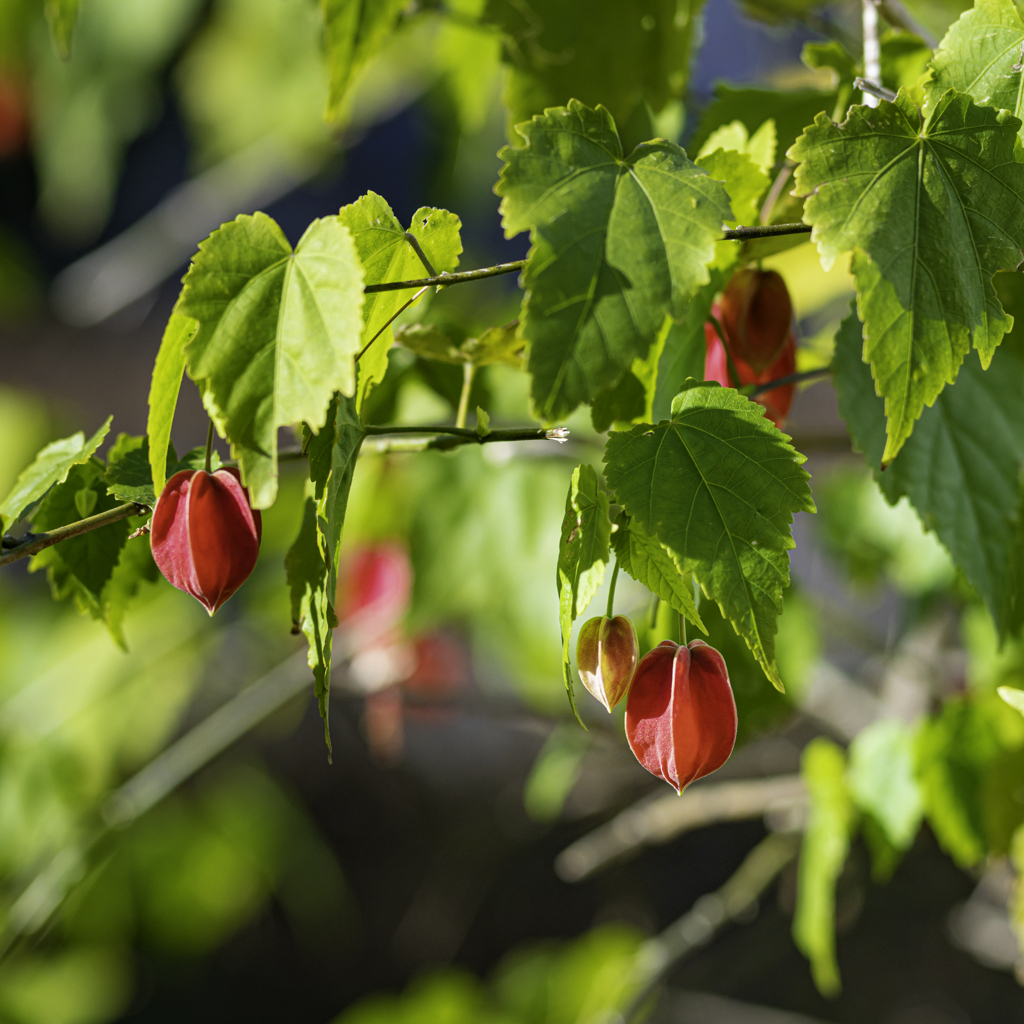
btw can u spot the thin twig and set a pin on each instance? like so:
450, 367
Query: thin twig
40, 541
450, 437
468, 373
363, 350
872, 52
896, 14
879, 92
792, 378
741, 233
656, 820
415, 243
734, 901
775, 191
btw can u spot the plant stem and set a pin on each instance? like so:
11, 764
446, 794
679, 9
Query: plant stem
733, 372
450, 437
872, 52
741, 234
774, 192
879, 92
792, 378
682, 629
363, 350
39, 541
415, 243
209, 446
611, 589
468, 373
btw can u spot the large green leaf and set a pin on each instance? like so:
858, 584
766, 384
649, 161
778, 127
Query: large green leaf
354, 31
163, 392
960, 468
278, 333
718, 485
387, 255
649, 563
617, 243
598, 51
313, 606
822, 856
981, 56
583, 553
51, 466
924, 277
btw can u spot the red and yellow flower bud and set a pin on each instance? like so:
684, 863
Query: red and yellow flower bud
681, 716
606, 656
204, 535
756, 315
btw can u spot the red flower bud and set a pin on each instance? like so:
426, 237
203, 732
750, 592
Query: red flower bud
681, 716
205, 537
756, 315
778, 401
606, 656
373, 593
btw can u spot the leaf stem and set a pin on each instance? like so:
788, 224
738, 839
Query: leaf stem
209, 446
741, 233
733, 372
415, 243
682, 629
450, 437
362, 351
611, 589
468, 373
792, 378
36, 542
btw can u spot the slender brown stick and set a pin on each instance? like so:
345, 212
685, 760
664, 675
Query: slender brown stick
40, 541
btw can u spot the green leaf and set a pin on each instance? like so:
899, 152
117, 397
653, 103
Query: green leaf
601, 51
717, 485
956, 180
980, 56
744, 181
651, 564
128, 475
387, 255
735, 137
616, 244
554, 773
332, 461
278, 333
81, 566
163, 393
1013, 697
825, 846
469, 57
51, 466
621, 404
61, 16
495, 345
881, 779
354, 31
312, 606
583, 553
960, 468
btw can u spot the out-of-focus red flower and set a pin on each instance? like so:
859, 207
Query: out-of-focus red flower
778, 401
441, 666
13, 115
373, 593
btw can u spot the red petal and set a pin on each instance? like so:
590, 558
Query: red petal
168, 535
649, 711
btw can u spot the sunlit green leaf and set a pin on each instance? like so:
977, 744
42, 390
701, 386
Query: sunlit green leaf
826, 843
744, 181
616, 244
717, 485
50, 466
961, 466
278, 333
163, 392
1013, 697
582, 556
649, 563
924, 279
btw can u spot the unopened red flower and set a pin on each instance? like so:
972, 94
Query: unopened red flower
204, 535
681, 716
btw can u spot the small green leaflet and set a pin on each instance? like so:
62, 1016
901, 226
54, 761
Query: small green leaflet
981, 56
924, 279
163, 392
354, 31
649, 563
583, 553
387, 255
312, 607
129, 476
960, 469
495, 345
881, 779
744, 181
61, 16
826, 843
616, 244
717, 485
278, 333
51, 466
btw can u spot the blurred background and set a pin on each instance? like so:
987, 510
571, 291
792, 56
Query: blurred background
471, 855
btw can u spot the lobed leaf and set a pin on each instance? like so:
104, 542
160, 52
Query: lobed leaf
617, 243
51, 466
924, 277
960, 468
583, 553
278, 333
717, 485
